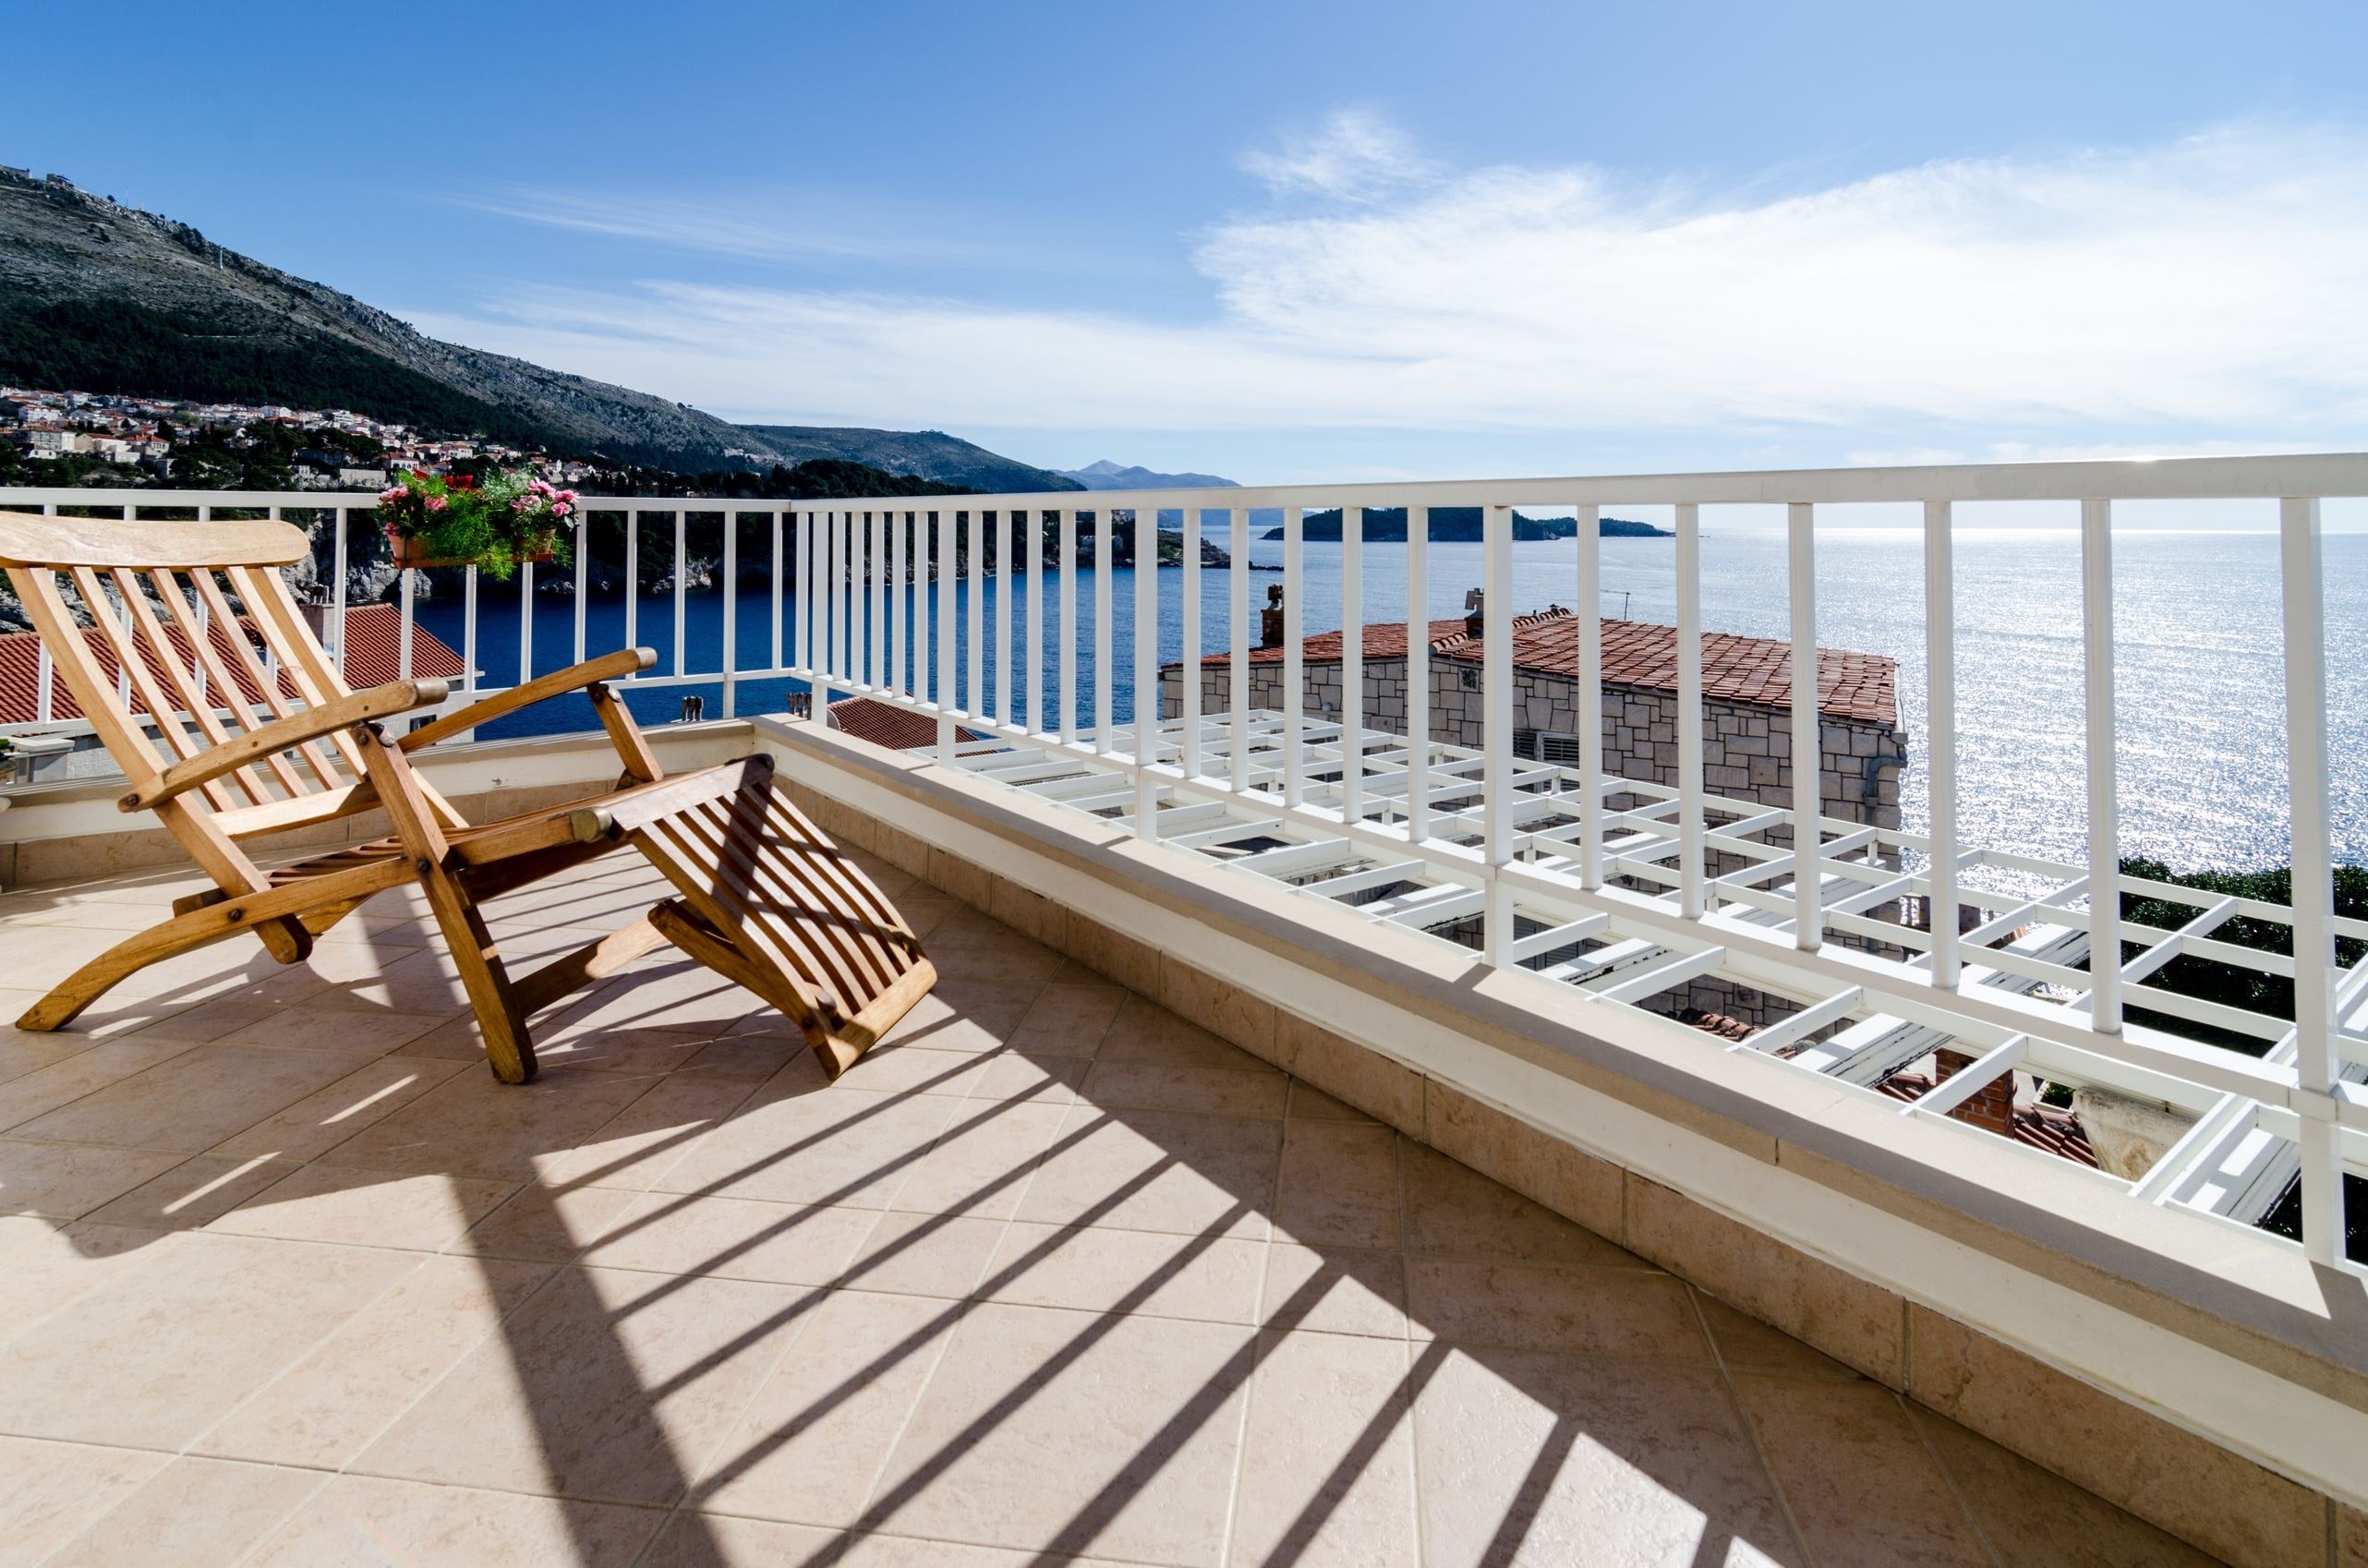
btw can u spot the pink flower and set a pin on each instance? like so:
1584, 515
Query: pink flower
561, 508
436, 503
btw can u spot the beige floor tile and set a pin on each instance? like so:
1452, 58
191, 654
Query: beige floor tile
154, 1356
837, 1146
364, 1208
324, 1409
57, 1266
32, 1095
1064, 1431
1453, 1210
649, 1135
1603, 1312
192, 1101
22, 1052
1016, 960
192, 1512
1161, 1275
717, 1540
757, 1053
1314, 1105
1327, 1464
1068, 1018
1861, 1484
199, 1190
544, 1225
2030, 1516
1574, 1463
1145, 1032
54, 1491
735, 1239
981, 1162
1334, 1290
812, 1443
967, 1013
362, 1522
914, 1069
1340, 1185
1022, 1073
1746, 1345
64, 1181
1158, 1170
307, 1029
322, 1120
606, 1386
1160, 1086
421, 981
939, 1255
471, 1124
678, 996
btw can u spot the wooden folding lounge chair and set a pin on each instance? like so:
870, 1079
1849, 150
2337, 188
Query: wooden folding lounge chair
195, 641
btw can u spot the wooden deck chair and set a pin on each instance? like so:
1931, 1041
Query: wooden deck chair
260, 736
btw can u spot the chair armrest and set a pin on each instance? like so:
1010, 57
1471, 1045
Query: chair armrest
283, 734
608, 667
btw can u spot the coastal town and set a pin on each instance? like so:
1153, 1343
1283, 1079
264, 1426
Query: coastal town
109, 438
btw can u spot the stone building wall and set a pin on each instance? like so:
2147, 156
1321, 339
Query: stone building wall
1746, 748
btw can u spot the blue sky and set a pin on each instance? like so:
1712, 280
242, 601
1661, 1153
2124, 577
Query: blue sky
1304, 242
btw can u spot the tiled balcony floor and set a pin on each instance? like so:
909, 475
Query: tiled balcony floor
292, 1280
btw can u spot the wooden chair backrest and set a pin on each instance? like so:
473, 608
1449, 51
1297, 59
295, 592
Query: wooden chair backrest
167, 654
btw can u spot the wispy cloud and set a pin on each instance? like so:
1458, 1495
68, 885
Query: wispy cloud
1355, 156
2208, 289
756, 225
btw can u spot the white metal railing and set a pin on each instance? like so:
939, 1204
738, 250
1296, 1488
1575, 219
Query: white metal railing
1618, 890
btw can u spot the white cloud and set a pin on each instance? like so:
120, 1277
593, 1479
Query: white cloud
2215, 288
1356, 157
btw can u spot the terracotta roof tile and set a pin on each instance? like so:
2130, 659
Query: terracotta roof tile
1753, 671
2048, 1128
885, 724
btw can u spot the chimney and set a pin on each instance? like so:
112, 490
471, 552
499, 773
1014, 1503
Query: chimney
1993, 1108
1270, 620
1474, 610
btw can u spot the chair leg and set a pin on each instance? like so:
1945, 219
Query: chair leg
509, 1048
117, 964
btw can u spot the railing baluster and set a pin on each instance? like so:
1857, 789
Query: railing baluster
682, 569
875, 523
923, 583
526, 621
1067, 570
1007, 576
2318, 1064
337, 600
1187, 674
1589, 531
776, 559
1496, 724
584, 577
945, 629
899, 609
1940, 736
1417, 674
1238, 645
1031, 535
2104, 822
973, 697
1352, 665
1294, 672
468, 632
403, 648
844, 600
730, 612
1690, 802
1143, 676
633, 581
1808, 760
1102, 557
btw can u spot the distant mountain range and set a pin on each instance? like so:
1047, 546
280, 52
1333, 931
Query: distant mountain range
1108, 476
101, 298
1386, 524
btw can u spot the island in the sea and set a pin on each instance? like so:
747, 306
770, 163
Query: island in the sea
1386, 524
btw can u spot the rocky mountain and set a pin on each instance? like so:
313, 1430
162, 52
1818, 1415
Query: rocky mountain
926, 454
101, 298
1108, 476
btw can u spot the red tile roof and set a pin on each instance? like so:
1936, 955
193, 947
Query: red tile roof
2042, 1126
885, 724
1754, 670
373, 644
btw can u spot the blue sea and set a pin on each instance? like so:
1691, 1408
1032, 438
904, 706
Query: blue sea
2200, 704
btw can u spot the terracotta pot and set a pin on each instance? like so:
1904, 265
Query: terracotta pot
413, 555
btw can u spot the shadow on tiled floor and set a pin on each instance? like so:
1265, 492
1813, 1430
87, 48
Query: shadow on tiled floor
290, 1279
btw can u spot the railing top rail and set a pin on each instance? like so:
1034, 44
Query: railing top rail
2319, 475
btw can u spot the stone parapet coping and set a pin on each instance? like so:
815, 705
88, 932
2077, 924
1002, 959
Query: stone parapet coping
2206, 1380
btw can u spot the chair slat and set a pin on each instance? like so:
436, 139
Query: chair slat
134, 663
94, 687
274, 698
276, 618
185, 689
201, 635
